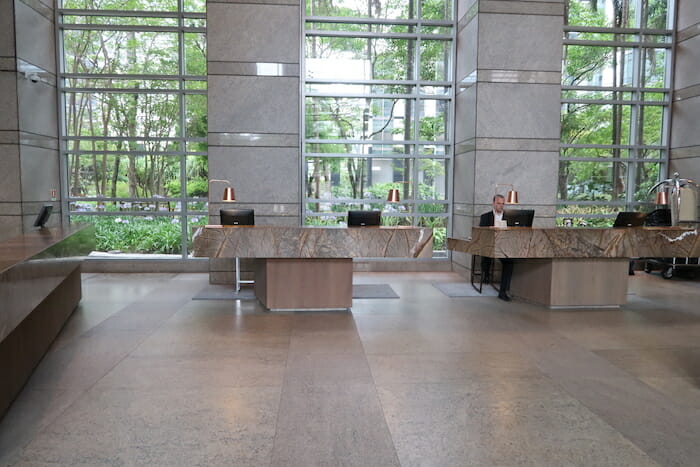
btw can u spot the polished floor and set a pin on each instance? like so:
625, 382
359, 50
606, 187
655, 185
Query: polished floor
144, 375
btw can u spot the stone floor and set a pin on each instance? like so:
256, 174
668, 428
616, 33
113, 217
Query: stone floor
144, 375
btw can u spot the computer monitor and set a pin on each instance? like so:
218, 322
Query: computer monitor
364, 218
629, 219
518, 217
237, 216
43, 216
658, 217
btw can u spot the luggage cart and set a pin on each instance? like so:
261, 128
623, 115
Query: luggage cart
669, 266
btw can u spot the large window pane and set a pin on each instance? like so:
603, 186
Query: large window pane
654, 68
357, 178
196, 115
124, 176
374, 100
597, 66
624, 121
195, 6
595, 124
120, 20
358, 58
134, 122
137, 5
593, 181
122, 114
358, 118
362, 9
436, 9
195, 54
434, 60
121, 52
432, 180
611, 13
433, 115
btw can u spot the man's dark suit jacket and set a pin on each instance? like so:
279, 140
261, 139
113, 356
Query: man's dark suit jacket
487, 219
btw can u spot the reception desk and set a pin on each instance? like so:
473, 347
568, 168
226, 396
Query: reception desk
309, 267
39, 289
570, 267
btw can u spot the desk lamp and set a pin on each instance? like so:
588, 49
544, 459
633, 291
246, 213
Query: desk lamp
393, 196
511, 195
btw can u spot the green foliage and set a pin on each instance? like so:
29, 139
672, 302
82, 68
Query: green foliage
126, 234
608, 126
195, 188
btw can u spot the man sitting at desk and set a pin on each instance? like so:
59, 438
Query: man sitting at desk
488, 220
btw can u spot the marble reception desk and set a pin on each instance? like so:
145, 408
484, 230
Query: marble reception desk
569, 267
309, 267
39, 289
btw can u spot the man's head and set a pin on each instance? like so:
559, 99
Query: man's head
498, 202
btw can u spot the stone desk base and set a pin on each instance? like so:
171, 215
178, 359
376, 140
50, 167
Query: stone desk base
571, 282
302, 283
571, 267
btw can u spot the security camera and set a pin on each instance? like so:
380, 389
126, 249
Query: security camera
33, 77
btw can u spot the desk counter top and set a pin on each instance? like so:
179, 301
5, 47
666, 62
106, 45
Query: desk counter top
34, 264
46, 243
268, 241
635, 242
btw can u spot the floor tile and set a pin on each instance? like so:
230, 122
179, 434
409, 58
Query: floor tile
445, 425
162, 427
341, 424
682, 362
447, 367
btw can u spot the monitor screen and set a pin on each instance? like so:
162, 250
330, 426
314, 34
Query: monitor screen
658, 217
364, 218
237, 216
629, 219
43, 216
519, 217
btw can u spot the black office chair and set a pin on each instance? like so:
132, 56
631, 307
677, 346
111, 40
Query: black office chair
231, 216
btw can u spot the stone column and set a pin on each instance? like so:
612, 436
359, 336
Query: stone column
254, 108
685, 138
507, 108
29, 161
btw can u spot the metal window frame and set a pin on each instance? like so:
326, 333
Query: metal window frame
415, 97
636, 102
181, 78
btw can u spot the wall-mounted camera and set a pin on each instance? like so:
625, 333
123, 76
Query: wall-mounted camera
33, 77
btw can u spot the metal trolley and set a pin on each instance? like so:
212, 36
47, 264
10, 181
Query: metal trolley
669, 266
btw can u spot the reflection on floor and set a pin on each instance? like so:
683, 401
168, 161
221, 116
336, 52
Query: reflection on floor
144, 375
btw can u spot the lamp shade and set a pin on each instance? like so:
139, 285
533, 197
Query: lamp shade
229, 195
393, 196
661, 198
512, 197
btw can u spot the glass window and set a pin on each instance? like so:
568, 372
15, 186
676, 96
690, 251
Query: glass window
134, 123
378, 111
615, 101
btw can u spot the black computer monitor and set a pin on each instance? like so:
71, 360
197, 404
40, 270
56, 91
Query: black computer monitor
364, 218
629, 219
518, 217
658, 217
43, 216
237, 216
